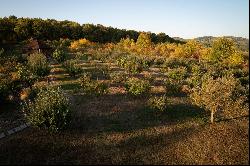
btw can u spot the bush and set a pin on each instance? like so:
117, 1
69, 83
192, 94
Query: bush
59, 55
177, 73
72, 68
137, 87
118, 77
197, 73
25, 75
37, 63
221, 94
50, 109
174, 63
173, 86
100, 72
81, 56
132, 64
92, 87
158, 103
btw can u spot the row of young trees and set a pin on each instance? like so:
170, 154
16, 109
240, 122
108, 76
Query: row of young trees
14, 29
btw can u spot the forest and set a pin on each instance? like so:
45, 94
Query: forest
13, 29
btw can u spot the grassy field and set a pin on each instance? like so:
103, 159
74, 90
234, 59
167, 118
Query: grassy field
119, 129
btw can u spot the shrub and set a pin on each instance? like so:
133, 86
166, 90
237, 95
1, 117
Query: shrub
50, 109
118, 77
221, 94
158, 103
197, 72
37, 63
132, 64
81, 56
159, 60
177, 73
137, 87
174, 63
100, 72
72, 68
25, 75
173, 86
59, 55
92, 87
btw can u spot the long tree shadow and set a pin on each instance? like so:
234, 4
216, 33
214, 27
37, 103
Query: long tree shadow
121, 113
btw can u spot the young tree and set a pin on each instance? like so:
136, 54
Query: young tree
221, 94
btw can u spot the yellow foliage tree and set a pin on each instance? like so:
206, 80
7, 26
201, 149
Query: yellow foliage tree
192, 49
143, 43
80, 44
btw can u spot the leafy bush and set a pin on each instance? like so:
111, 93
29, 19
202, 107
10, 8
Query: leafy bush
118, 77
92, 87
159, 61
158, 103
175, 80
37, 63
173, 86
100, 72
81, 56
50, 109
174, 63
72, 68
197, 73
132, 64
137, 87
59, 55
221, 94
25, 75
177, 73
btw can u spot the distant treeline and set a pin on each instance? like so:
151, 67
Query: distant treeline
13, 29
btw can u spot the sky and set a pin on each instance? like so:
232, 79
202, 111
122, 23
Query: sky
177, 18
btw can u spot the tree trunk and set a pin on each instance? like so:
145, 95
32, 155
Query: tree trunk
212, 116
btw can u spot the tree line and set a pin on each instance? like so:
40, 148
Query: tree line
13, 29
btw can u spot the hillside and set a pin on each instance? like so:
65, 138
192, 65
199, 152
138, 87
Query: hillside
241, 42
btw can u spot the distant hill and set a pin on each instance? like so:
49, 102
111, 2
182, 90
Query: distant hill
241, 42
179, 39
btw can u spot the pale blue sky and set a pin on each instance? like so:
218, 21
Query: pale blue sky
177, 18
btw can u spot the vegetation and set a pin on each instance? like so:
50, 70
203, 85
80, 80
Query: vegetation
222, 94
158, 103
129, 73
14, 29
72, 68
50, 110
59, 55
137, 87
38, 64
94, 87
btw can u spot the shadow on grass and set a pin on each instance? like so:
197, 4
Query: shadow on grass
118, 114
70, 86
234, 118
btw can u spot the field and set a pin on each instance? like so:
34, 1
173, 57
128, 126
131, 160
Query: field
117, 128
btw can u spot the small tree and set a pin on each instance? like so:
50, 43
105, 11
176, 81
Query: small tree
221, 94
143, 43
38, 64
59, 55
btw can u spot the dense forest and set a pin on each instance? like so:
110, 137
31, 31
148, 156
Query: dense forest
13, 29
